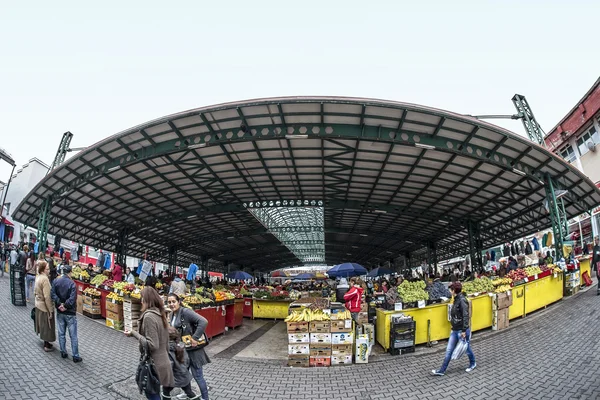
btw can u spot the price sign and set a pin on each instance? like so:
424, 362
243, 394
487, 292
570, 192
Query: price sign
421, 304
535, 277
398, 307
526, 280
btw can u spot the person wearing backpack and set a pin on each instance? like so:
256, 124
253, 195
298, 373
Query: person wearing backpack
180, 363
188, 323
460, 329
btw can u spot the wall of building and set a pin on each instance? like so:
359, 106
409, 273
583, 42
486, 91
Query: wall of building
23, 181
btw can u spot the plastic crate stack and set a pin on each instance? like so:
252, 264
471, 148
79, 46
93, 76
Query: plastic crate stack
17, 286
402, 335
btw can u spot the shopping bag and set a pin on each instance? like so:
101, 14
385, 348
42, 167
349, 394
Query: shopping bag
460, 349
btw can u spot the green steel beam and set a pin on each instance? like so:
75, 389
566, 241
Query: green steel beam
558, 217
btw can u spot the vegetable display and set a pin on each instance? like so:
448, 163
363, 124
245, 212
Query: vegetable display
437, 290
411, 292
479, 285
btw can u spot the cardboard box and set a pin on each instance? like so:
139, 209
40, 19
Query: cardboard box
320, 361
342, 325
131, 306
297, 327
320, 327
320, 338
114, 316
369, 330
342, 338
79, 304
362, 349
320, 349
294, 349
500, 319
298, 338
341, 360
298, 361
364, 307
91, 309
504, 300
93, 301
114, 307
362, 318
341, 349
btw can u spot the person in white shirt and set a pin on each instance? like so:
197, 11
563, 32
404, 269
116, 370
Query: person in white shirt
129, 277
14, 256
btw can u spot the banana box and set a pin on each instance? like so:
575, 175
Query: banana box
320, 361
300, 360
342, 338
362, 349
320, 338
341, 325
369, 330
297, 327
298, 338
341, 349
341, 360
320, 350
297, 349
319, 327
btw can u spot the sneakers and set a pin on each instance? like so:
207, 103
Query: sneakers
471, 368
77, 359
436, 372
63, 355
181, 396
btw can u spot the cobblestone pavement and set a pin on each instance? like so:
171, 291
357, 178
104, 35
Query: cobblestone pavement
553, 354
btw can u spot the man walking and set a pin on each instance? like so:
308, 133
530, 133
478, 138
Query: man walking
64, 296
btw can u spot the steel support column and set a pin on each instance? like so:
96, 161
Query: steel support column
475, 244
43, 224
172, 259
432, 255
121, 246
558, 216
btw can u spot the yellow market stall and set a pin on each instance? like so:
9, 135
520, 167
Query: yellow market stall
270, 309
432, 321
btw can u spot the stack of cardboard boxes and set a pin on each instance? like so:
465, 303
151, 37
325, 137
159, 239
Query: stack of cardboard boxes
114, 314
500, 310
91, 306
298, 344
131, 312
572, 282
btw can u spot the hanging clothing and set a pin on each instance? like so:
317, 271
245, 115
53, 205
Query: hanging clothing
544, 239
100, 260
493, 255
514, 249
536, 244
193, 269
506, 250
549, 240
107, 261
528, 250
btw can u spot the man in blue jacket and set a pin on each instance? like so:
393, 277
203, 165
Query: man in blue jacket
64, 296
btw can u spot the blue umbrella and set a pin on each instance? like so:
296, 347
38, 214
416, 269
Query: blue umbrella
304, 277
346, 269
379, 271
239, 275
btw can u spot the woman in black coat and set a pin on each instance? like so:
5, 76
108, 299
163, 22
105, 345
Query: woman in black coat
187, 322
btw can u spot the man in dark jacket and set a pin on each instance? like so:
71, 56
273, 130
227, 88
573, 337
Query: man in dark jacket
64, 296
461, 330
596, 255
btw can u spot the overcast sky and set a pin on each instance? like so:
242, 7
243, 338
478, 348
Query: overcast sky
96, 70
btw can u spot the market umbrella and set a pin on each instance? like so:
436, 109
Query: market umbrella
239, 275
304, 277
379, 271
347, 269
279, 274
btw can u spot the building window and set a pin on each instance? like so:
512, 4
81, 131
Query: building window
568, 153
591, 135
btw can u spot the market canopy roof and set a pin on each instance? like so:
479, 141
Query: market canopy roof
386, 177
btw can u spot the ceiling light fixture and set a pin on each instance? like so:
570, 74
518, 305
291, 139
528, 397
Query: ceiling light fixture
113, 168
296, 136
518, 171
380, 211
197, 146
425, 146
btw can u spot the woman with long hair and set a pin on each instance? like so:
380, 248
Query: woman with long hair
188, 323
154, 333
30, 272
44, 313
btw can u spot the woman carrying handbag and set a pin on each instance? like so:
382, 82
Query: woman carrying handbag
44, 307
191, 326
153, 335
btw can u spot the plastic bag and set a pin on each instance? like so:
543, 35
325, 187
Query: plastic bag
460, 349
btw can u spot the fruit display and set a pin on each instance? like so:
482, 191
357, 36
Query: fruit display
341, 315
84, 276
119, 285
109, 283
479, 285
437, 290
115, 297
92, 292
517, 275
136, 295
411, 292
502, 288
197, 301
271, 295
556, 270
501, 281
159, 285
307, 315
98, 279
531, 271
75, 272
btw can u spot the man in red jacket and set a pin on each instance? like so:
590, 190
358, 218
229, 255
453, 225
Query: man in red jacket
353, 298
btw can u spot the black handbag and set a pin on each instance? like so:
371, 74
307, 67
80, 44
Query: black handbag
33, 313
146, 376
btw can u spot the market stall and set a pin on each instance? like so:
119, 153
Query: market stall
234, 316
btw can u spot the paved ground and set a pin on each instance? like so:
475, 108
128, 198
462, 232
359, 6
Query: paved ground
550, 355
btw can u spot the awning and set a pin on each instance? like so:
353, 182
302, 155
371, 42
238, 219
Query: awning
6, 221
215, 274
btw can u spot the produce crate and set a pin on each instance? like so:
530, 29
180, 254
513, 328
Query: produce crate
342, 338
114, 324
342, 325
320, 350
341, 349
319, 327
402, 343
400, 320
362, 318
320, 361
298, 338
92, 316
297, 327
299, 361
114, 316
296, 349
320, 338
341, 360
114, 307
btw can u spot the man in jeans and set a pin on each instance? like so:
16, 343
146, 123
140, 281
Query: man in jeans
64, 296
460, 319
